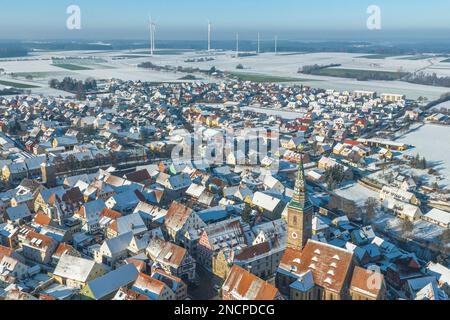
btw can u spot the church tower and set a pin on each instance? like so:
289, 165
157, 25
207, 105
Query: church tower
48, 172
300, 213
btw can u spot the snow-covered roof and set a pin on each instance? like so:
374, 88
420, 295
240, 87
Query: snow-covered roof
195, 190
112, 281
74, 268
265, 201
441, 272
438, 215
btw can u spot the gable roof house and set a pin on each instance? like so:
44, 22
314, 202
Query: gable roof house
441, 273
182, 224
218, 236
62, 249
89, 213
269, 204
124, 202
131, 223
106, 286
37, 247
153, 288
75, 272
18, 214
175, 185
11, 269
140, 176
150, 214
14, 172
367, 285
43, 197
113, 250
243, 285
178, 287
173, 259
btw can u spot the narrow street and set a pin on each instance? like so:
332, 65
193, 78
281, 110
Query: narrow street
205, 289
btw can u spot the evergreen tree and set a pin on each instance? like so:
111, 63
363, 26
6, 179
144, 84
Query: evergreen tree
247, 213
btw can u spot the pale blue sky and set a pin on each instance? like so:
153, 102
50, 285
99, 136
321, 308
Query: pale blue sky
184, 19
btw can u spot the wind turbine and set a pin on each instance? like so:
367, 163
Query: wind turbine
153, 27
237, 45
209, 36
276, 44
151, 34
259, 47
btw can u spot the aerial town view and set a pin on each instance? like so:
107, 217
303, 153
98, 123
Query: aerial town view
235, 150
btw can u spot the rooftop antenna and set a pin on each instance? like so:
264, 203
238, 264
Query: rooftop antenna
237, 45
209, 36
276, 44
259, 41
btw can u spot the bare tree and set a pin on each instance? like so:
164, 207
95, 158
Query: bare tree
351, 210
370, 207
407, 227
444, 237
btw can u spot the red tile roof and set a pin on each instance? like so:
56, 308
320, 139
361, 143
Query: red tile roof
46, 240
177, 216
42, 219
138, 176
361, 282
63, 248
5, 251
330, 265
253, 251
244, 285
106, 212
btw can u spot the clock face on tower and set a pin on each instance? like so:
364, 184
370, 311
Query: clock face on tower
294, 235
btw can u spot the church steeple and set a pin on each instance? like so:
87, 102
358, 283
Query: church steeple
300, 198
300, 212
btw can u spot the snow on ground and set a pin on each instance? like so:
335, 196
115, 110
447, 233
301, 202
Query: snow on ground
286, 114
356, 193
423, 230
438, 107
387, 221
432, 142
285, 65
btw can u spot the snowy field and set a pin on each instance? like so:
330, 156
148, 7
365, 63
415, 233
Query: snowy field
284, 65
432, 142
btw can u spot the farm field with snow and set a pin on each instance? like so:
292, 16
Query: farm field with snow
123, 65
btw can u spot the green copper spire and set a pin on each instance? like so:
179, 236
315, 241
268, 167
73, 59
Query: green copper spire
300, 198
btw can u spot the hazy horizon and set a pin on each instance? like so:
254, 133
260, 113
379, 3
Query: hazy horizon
401, 20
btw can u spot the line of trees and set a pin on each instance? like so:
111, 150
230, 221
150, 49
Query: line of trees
312, 69
78, 87
152, 66
429, 79
419, 163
